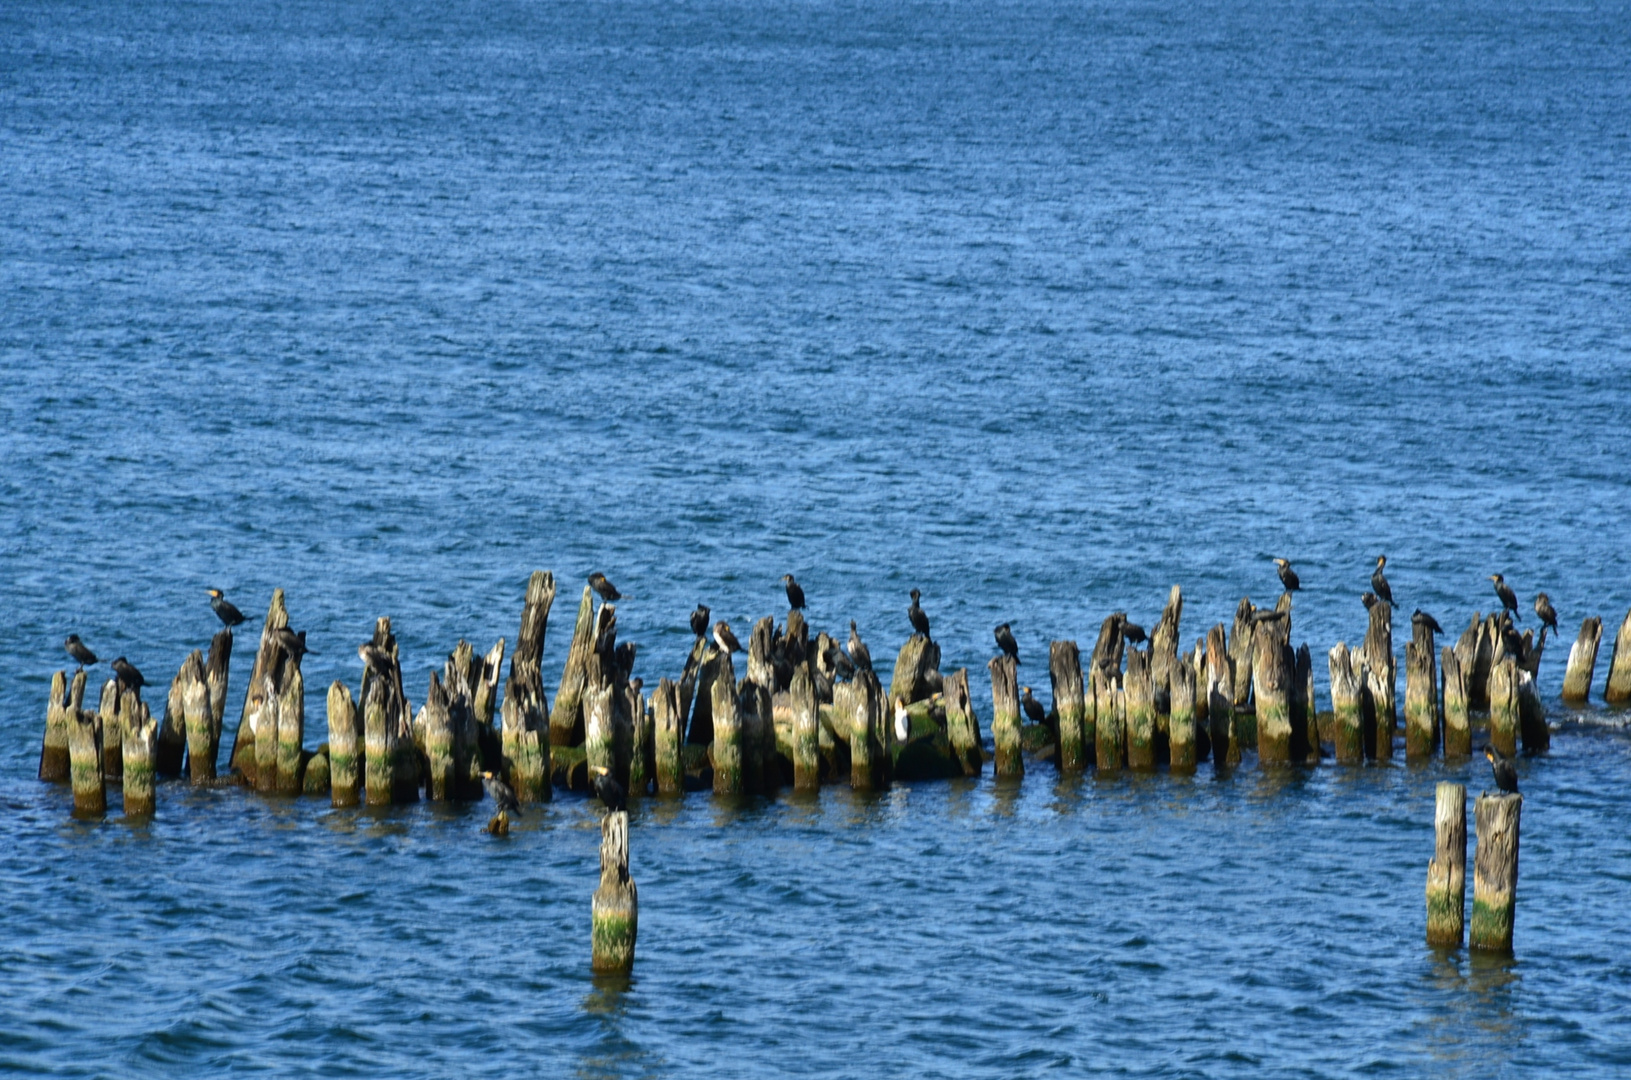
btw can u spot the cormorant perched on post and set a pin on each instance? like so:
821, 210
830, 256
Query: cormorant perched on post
1369, 600
1504, 768
1006, 642
724, 638
502, 794
1509, 599
376, 658
608, 592
1378, 580
1033, 708
699, 621
607, 790
1421, 617
1288, 576
903, 721
292, 644
1131, 631
229, 615
919, 617
859, 654
795, 593
842, 666
1545, 610
128, 675
78, 650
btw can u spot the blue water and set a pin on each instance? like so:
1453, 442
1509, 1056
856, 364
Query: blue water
1039, 307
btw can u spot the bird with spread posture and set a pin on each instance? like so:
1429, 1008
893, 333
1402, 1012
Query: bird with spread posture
1033, 708
1006, 642
1288, 576
1545, 611
1131, 631
1421, 618
795, 592
1378, 581
79, 651
699, 621
225, 610
1505, 769
859, 654
724, 638
607, 790
292, 644
903, 720
608, 592
919, 617
1509, 599
129, 677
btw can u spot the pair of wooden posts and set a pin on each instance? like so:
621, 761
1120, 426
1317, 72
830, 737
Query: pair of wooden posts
1583, 661
1495, 883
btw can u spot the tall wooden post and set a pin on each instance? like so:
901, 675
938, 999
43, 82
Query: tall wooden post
599, 738
140, 746
245, 753
1065, 669
615, 908
1111, 744
1164, 650
1241, 633
669, 737
727, 730
436, 724
962, 726
86, 763
217, 668
1220, 695
1447, 873
1457, 725
1347, 704
1420, 704
291, 729
1271, 684
1503, 706
54, 760
524, 729
1582, 662
1537, 736
806, 732
1181, 716
113, 758
1140, 712
1010, 762
1495, 877
344, 746
566, 719
1383, 676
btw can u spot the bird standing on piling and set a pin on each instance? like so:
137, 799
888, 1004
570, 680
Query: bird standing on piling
1545, 611
608, 791
724, 638
292, 644
1421, 618
129, 677
608, 592
377, 659
1006, 642
78, 650
919, 617
1033, 708
1131, 631
1288, 576
699, 621
1369, 600
1509, 599
1504, 768
795, 593
859, 654
225, 610
502, 794
1378, 581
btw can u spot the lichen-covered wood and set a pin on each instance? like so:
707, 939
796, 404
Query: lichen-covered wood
86, 761
1420, 700
1110, 733
217, 669
962, 726
1107, 648
1495, 872
391, 771
1382, 674
598, 735
344, 746
1272, 670
806, 732
170, 744
615, 907
1503, 706
1220, 705
140, 747
1069, 705
864, 751
669, 737
267, 656
1347, 704
524, 729
643, 763
315, 776
1140, 711
917, 665
113, 758
435, 726
566, 719
67, 698
727, 726
1447, 873
1181, 715
1241, 652
1582, 662
198, 720
1457, 723
1164, 650
1618, 690
1005, 733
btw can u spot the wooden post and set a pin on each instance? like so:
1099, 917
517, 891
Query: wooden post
1618, 690
141, 736
1181, 716
1537, 736
1140, 708
916, 670
753, 712
806, 732
379, 740
1457, 725
54, 760
315, 777
727, 743
264, 724
643, 761
436, 724
615, 909
198, 720
1495, 876
113, 758
1503, 706
1110, 747
170, 746
1241, 652
85, 759
1347, 705
291, 730
1305, 707
1108, 647
216, 670
344, 737
1271, 684
1582, 662
1164, 650
1447, 873
1065, 671
669, 737
566, 719
386, 777
962, 726
1420, 704
1220, 699
524, 728
599, 738
1005, 732
245, 753
1382, 666
864, 774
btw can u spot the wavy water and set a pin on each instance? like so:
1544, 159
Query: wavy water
1039, 307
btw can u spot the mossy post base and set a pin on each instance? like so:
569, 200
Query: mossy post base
727, 743
1140, 709
1382, 676
669, 737
1181, 715
1447, 873
615, 908
806, 732
1504, 715
1453, 686
1495, 873
1420, 699
1220, 709
344, 746
1618, 690
1005, 733
85, 763
1582, 662
66, 700
1065, 669
291, 730
140, 749
1272, 669
962, 726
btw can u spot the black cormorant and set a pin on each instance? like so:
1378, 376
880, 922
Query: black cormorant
843, 667
1131, 631
608, 592
78, 651
1006, 642
919, 617
501, 793
607, 790
1033, 708
128, 675
1544, 609
1378, 580
225, 610
1263, 615
1288, 576
724, 638
859, 654
699, 621
1504, 768
1424, 619
795, 593
1509, 599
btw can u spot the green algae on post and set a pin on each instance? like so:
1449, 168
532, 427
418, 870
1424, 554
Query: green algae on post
1140, 711
1447, 873
1272, 664
1069, 706
54, 760
1005, 733
614, 911
727, 741
86, 762
344, 747
1495, 872
1457, 724
806, 732
1503, 706
962, 726
1181, 715
668, 737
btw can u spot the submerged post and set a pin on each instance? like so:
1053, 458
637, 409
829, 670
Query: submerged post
1503, 706
1618, 691
962, 726
614, 912
806, 732
1005, 732
1495, 878
669, 737
1140, 706
1447, 873
1065, 669
1582, 662
140, 745
1457, 724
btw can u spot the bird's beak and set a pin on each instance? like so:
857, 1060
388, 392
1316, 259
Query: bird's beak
600, 770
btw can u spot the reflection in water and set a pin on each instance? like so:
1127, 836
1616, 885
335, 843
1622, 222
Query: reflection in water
613, 1054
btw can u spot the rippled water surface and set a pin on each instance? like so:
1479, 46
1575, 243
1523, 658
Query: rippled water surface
1039, 307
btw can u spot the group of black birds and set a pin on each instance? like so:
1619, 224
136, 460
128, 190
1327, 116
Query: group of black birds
1381, 590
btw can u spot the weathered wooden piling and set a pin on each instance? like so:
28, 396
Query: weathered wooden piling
315, 778
140, 746
599, 748
1241, 652
1305, 736
643, 763
344, 746
1348, 682
1272, 669
1107, 648
1532, 726
291, 729
217, 668
1504, 714
391, 766
806, 732
916, 666
436, 731
245, 751
615, 909
170, 749
1181, 716
113, 758
669, 737
1164, 650
962, 726
1447, 873
1065, 671
1618, 690
566, 718
1495, 872
1474, 660
1139, 704
754, 713
85, 762
66, 700
727, 725
1109, 729
1420, 700
1382, 676
524, 728
1220, 704
191, 696
1582, 662
264, 723
1005, 717
1457, 723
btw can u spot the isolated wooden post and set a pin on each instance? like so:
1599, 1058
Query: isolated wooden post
1457, 724
1618, 690
1503, 706
1495, 876
615, 909
1447, 873
1383, 676
669, 737
1220, 706
1140, 711
140, 747
1347, 705
1110, 749
1582, 662
86, 763
962, 726
1065, 670
1420, 704
566, 719
1010, 762
1271, 684
806, 732
727, 729
1181, 716
54, 760
344, 747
